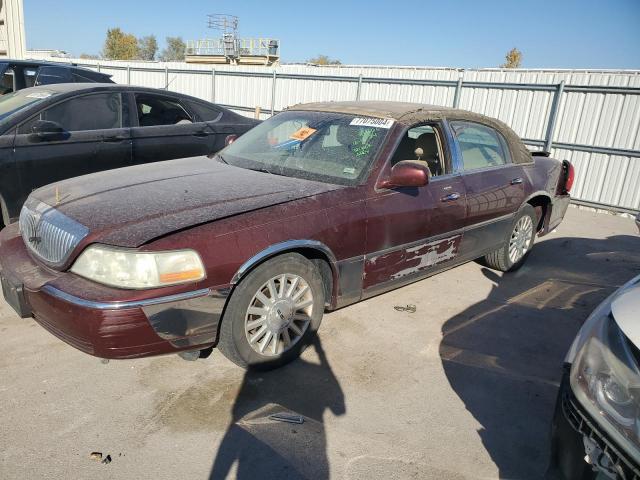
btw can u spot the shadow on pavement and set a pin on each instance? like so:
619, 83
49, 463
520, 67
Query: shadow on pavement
503, 356
263, 448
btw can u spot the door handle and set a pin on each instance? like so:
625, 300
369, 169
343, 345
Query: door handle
114, 138
451, 197
516, 181
201, 133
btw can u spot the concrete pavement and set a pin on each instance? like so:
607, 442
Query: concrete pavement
462, 388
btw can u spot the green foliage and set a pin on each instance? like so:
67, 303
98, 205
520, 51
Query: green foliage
120, 45
174, 51
324, 60
513, 59
147, 48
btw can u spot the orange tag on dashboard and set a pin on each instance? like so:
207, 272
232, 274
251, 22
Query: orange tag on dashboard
303, 133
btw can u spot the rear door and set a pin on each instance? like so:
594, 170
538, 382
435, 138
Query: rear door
412, 231
167, 129
494, 184
95, 138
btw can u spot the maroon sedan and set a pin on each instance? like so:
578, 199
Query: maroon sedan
319, 207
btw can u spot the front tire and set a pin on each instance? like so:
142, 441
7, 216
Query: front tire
273, 313
517, 246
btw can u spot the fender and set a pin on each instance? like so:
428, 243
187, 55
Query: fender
287, 246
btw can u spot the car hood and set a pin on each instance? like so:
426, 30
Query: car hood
625, 308
131, 206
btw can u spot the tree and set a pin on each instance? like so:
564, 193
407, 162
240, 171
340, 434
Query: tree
174, 51
147, 47
324, 60
513, 59
120, 45
89, 56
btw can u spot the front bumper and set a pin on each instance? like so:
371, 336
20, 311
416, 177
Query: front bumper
571, 426
107, 322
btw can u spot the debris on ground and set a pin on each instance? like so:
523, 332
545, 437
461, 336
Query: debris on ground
97, 456
408, 308
287, 417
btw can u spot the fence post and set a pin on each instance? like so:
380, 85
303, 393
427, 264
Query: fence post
128, 74
98, 67
166, 77
359, 87
553, 116
213, 85
273, 92
456, 96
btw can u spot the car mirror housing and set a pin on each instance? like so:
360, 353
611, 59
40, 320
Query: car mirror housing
46, 130
407, 173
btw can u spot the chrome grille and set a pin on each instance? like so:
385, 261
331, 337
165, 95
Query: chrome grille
50, 235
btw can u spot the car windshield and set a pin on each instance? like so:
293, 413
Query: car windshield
328, 147
12, 102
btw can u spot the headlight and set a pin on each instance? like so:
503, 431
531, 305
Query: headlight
132, 269
606, 380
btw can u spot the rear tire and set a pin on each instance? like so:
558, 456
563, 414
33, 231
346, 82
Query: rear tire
273, 313
517, 245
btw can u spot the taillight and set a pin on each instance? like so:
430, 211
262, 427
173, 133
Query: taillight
569, 175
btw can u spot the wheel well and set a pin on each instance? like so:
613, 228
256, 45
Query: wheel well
541, 205
318, 258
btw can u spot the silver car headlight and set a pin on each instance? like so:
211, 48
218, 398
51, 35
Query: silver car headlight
138, 270
605, 377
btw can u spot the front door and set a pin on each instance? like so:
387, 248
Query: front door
167, 130
94, 138
411, 231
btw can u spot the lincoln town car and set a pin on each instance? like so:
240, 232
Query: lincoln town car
319, 207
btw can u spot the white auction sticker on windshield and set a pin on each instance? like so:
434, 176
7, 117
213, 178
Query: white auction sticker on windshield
372, 122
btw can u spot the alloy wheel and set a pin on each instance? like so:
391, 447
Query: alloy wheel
520, 240
279, 314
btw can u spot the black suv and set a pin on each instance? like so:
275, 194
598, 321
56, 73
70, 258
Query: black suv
18, 74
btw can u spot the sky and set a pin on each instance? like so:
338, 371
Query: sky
447, 33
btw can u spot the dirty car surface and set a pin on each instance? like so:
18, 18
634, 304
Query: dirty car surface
319, 207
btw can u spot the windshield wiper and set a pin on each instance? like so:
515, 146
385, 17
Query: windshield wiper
264, 170
221, 159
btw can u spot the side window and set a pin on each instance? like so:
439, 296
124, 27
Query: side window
50, 75
6, 83
81, 78
422, 143
29, 77
99, 111
155, 110
207, 113
480, 146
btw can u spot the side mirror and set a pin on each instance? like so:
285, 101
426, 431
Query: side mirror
407, 173
46, 130
230, 139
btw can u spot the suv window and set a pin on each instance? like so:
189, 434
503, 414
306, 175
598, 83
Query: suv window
422, 143
6, 83
98, 111
207, 113
29, 77
154, 110
480, 146
49, 75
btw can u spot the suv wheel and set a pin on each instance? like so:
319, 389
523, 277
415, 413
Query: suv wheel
273, 313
